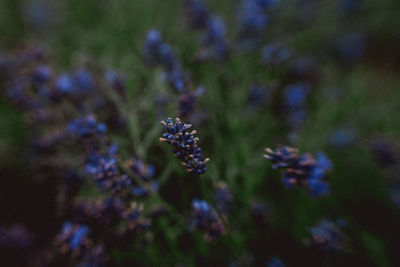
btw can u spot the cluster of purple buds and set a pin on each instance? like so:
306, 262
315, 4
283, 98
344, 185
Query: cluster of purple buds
145, 172
17, 237
86, 126
159, 53
213, 38
275, 54
104, 211
120, 183
64, 83
185, 145
144, 191
328, 237
254, 17
342, 137
295, 97
205, 219
32, 83
104, 168
223, 197
74, 238
133, 215
28, 80
214, 41
83, 80
301, 170
196, 13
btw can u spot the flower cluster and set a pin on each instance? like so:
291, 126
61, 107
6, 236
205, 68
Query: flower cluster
223, 197
342, 137
103, 211
213, 38
254, 17
197, 14
74, 238
159, 53
275, 54
86, 126
145, 172
103, 167
301, 170
205, 219
327, 236
136, 222
185, 145
295, 97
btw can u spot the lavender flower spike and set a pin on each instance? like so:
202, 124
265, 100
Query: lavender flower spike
185, 145
303, 170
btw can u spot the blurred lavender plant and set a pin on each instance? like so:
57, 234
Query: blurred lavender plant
213, 37
205, 219
74, 238
223, 197
196, 13
327, 236
86, 126
253, 18
275, 54
342, 137
295, 97
301, 170
102, 211
159, 53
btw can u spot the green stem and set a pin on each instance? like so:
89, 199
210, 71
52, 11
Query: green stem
131, 120
170, 208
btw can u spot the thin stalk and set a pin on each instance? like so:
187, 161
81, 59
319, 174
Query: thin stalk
172, 210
